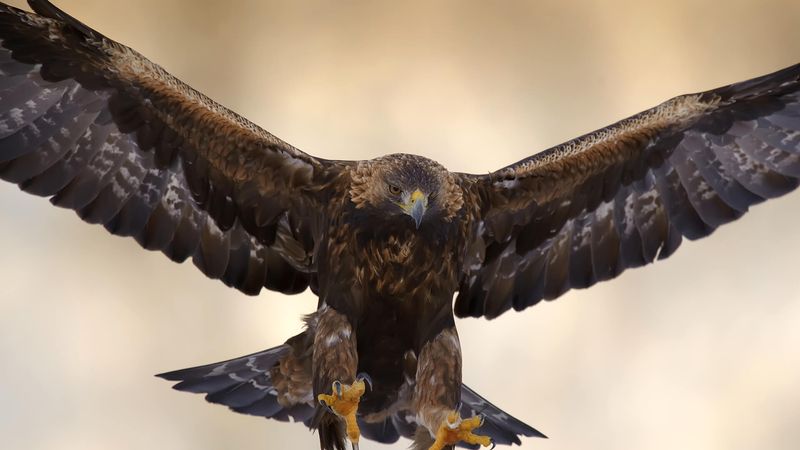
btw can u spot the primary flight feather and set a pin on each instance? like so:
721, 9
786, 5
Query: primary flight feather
386, 243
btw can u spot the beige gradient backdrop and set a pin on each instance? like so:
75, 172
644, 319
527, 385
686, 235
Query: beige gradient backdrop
698, 352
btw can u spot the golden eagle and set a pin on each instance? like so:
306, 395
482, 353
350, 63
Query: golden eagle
384, 243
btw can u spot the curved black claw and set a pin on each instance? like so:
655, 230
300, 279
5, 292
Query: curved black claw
367, 379
326, 406
494, 444
337, 388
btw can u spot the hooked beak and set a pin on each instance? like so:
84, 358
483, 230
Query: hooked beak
416, 206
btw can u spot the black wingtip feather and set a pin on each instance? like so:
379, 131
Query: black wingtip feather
47, 9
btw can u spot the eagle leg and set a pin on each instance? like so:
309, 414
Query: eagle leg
334, 365
343, 401
454, 429
438, 391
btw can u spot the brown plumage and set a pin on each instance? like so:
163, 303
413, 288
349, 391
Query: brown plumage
384, 243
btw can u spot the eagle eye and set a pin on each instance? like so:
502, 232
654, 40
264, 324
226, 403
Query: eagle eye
394, 190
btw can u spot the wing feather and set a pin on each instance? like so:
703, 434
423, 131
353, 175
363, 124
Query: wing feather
620, 197
103, 131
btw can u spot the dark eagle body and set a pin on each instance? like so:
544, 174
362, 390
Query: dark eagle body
385, 244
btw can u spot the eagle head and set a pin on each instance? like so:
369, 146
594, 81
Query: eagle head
406, 187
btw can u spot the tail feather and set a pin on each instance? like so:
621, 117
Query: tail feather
503, 428
331, 432
245, 385
498, 424
241, 367
384, 432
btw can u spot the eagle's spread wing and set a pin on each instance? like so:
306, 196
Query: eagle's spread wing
620, 197
108, 133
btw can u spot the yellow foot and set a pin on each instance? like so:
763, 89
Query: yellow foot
454, 429
343, 401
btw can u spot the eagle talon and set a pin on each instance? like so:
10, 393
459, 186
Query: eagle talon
343, 402
363, 376
454, 429
325, 405
337, 388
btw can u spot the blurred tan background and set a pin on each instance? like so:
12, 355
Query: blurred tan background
698, 352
